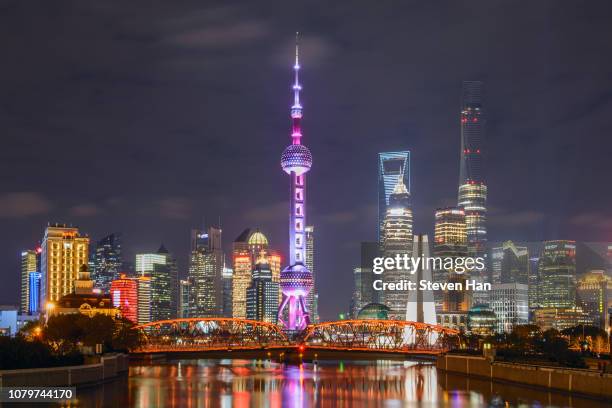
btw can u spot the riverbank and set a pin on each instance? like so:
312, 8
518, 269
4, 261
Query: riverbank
576, 381
109, 367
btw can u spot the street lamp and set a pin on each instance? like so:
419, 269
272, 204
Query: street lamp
49, 308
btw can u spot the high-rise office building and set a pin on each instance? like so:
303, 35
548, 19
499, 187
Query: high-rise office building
421, 307
262, 293
534, 284
242, 265
510, 302
450, 240
227, 291
144, 299
34, 292
107, 261
510, 264
472, 195
161, 267
124, 295
206, 274
391, 166
594, 295
296, 279
185, 298
312, 295
64, 252
397, 239
557, 272
28, 266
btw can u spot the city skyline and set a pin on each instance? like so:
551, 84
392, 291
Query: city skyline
167, 217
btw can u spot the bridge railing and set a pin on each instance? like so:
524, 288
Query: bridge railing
203, 334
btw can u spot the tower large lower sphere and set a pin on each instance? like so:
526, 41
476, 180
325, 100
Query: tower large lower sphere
296, 279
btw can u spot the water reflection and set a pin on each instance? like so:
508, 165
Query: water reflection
249, 383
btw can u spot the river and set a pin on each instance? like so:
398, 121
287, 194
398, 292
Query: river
251, 383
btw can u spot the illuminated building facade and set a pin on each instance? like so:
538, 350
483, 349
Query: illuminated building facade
124, 295
557, 273
83, 300
594, 295
185, 298
107, 261
242, 265
510, 264
34, 293
450, 240
472, 195
161, 268
560, 318
228, 274
391, 167
312, 298
144, 299
28, 266
510, 302
206, 275
262, 293
64, 251
397, 239
481, 320
421, 307
296, 279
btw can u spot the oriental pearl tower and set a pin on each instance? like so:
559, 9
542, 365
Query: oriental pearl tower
296, 279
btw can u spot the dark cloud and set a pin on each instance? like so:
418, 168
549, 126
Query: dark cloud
17, 205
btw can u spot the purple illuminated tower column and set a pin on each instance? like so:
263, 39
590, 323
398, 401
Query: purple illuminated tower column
296, 279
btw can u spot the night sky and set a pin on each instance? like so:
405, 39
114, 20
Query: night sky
148, 117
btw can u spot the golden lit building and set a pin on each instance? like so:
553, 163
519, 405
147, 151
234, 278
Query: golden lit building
64, 251
560, 318
450, 240
84, 300
594, 295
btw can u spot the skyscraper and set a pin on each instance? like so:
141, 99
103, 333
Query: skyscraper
185, 298
227, 291
161, 268
450, 240
64, 251
124, 295
242, 265
510, 302
421, 307
391, 166
34, 292
28, 266
472, 188
557, 270
144, 299
107, 261
206, 275
296, 279
397, 239
262, 293
510, 264
312, 295
594, 295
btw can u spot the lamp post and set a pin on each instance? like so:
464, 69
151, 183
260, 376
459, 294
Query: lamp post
49, 307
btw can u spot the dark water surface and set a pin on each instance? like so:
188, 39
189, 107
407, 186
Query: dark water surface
250, 383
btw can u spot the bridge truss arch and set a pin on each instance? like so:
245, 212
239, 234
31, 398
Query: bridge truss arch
209, 334
381, 335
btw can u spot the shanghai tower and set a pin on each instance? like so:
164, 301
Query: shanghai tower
296, 279
472, 187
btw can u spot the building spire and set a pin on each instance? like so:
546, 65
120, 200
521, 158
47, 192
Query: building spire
296, 109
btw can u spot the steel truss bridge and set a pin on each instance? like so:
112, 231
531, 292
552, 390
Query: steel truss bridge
228, 334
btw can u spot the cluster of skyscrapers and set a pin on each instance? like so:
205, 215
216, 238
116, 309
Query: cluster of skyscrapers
536, 284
